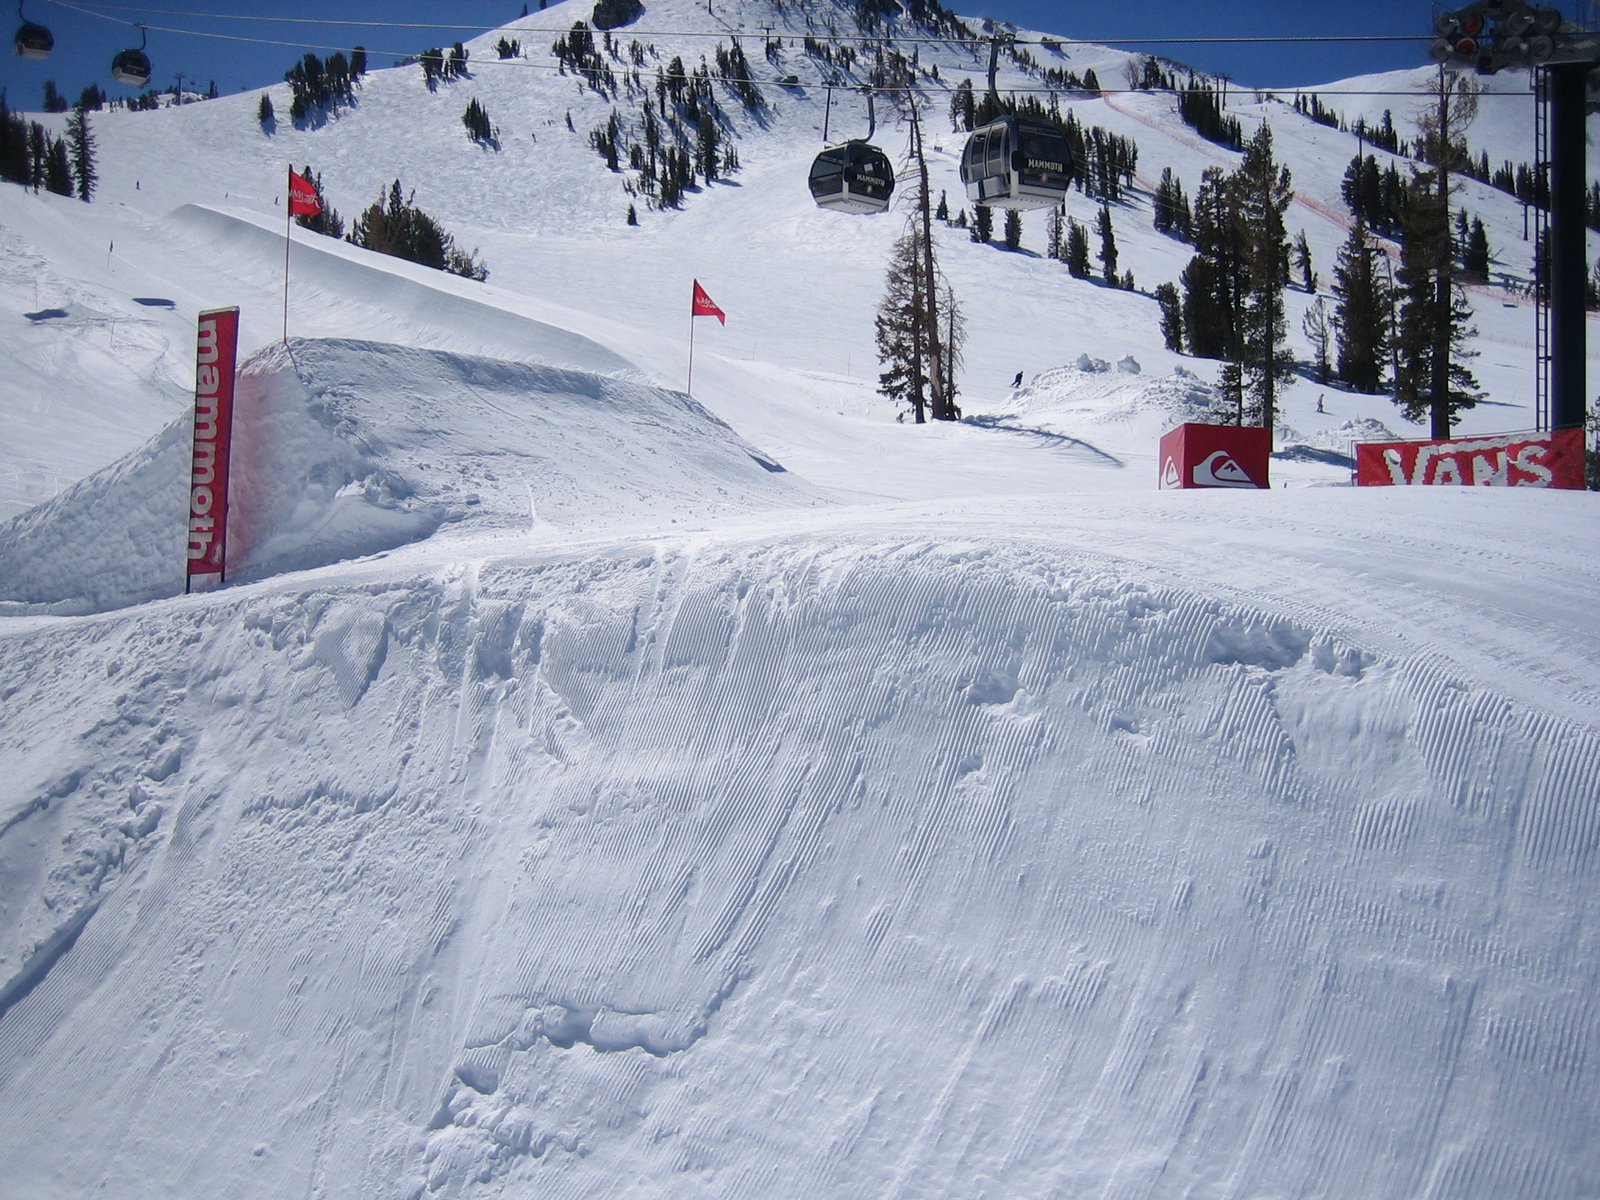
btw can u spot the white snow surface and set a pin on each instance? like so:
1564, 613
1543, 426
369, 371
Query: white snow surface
581, 789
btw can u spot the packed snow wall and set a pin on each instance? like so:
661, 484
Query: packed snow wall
837, 866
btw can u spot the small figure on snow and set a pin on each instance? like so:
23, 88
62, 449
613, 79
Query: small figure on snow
1017, 382
1320, 409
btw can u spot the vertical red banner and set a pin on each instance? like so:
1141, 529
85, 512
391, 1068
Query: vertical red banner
215, 358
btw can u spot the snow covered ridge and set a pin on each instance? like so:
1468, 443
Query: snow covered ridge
843, 864
345, 448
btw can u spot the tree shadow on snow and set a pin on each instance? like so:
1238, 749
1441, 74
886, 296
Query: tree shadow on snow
1051, 439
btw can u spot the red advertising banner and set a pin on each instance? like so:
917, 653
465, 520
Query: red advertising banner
1216, 456
1547, 460
217, 352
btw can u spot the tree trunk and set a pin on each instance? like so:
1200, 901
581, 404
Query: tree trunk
930, 295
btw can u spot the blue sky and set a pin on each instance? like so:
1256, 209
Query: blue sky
240, 55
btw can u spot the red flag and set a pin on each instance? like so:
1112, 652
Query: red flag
704, 307
303, 200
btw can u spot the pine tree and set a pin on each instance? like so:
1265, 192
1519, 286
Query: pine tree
1077, 249
481, 130
1013, 233
1318, 328
706, 153
1055, 232
16, 163
1170, 209
1171, 316
58, 170
80, 138
1108, 246
1475, 262
918, 328
1302, 263
1213, 281
38, 155
265, 115
1262, 196
1361, 314
899, 329
1433, 380
982, 224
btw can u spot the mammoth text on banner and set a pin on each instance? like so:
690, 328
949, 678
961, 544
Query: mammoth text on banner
215, 357
1546, 460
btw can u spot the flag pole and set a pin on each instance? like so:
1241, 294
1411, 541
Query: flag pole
288, 229
689, 387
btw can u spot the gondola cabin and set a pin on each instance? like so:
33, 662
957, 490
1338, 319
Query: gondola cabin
34, 41
1017, 162
131, 67
856, 177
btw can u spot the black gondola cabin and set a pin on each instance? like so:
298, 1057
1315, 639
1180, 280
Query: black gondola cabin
131, 67
1017, 162
856, 177
34, 41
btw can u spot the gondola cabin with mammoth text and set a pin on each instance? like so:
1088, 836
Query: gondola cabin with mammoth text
856, 177
1017, 162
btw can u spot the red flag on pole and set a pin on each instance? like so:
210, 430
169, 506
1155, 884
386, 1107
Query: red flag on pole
303, 200
704, 307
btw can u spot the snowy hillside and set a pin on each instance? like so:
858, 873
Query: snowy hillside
585, 789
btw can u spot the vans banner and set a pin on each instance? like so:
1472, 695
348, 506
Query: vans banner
1547, 460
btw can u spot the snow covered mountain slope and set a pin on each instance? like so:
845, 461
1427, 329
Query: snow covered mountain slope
950, 813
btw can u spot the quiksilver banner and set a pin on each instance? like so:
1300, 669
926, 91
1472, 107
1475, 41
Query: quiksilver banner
215, 358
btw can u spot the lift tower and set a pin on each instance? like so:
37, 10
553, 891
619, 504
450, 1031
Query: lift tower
1489, 36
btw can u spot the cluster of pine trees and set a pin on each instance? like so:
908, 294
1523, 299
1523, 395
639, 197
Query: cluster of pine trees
91, 99
479, 128
30, 156
1400, 318
396, 226
315, 86
439, 66
678, 137
1200, 107
1232, 303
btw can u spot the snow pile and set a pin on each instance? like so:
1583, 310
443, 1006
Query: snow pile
1096, 392
343, 449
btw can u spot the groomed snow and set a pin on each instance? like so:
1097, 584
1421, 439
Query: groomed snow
583, 789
